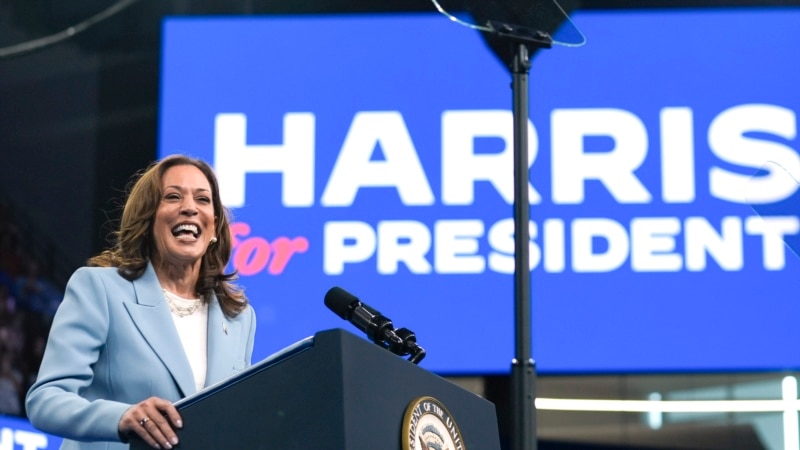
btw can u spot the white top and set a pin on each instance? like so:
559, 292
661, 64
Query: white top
191, 320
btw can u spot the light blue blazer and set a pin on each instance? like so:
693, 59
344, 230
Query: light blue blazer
113, 344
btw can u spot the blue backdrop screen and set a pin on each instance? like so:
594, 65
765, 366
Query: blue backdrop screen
375, 153
18, 434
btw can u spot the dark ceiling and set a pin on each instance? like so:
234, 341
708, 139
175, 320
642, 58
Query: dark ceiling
137, 22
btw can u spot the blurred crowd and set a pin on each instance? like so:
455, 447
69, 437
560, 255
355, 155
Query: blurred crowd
28, 302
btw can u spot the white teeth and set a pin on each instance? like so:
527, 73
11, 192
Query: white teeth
185, 227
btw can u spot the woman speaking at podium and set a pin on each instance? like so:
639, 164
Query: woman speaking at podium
151, 320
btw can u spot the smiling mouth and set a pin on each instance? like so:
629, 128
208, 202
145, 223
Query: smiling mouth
186, 232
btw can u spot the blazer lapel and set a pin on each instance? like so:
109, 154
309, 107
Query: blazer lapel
221, 334
154, 320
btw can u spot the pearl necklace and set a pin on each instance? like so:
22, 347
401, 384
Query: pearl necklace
174, 303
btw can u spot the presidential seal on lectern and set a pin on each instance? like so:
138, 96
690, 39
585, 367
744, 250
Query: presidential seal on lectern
428, 425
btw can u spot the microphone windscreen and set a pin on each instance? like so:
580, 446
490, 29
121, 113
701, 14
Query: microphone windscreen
338, 300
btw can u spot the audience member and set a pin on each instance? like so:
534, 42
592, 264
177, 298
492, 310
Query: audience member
27, 304
10, 386
36, 293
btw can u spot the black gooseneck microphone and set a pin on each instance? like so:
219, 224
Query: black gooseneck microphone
379, 328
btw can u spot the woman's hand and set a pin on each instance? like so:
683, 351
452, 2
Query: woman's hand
154, 421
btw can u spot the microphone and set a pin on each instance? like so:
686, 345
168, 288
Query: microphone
410, 346
379, 329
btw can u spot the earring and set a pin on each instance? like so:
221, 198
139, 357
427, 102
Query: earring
214, 240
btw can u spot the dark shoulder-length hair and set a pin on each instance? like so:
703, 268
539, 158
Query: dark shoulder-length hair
133, 243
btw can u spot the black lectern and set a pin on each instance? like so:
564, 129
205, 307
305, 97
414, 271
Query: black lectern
334, 391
